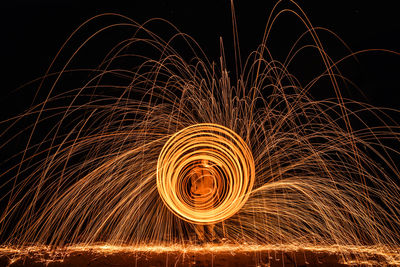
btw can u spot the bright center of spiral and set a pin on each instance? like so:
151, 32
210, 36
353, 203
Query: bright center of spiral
205, 173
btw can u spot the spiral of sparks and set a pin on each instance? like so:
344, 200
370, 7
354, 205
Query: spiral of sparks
205, 173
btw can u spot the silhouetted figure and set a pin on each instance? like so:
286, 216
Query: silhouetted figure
203, 190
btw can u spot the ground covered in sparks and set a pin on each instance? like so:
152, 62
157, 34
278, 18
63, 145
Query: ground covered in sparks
206, 255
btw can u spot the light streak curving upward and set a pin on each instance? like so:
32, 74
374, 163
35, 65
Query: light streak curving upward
205, 173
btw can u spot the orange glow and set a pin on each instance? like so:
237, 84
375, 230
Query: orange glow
205, 173
347, 255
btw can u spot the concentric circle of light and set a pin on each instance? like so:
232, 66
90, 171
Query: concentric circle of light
205, 173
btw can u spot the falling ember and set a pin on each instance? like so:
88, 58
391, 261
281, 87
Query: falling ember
160, 151
205, 173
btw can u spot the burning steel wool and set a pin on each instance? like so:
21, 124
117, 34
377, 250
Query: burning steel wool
153, 150
205, 173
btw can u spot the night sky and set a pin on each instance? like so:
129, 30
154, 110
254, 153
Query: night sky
33, 32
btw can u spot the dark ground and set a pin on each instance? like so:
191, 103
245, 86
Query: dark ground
177, 259
260, 258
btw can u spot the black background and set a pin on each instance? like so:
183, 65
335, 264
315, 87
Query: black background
33, 32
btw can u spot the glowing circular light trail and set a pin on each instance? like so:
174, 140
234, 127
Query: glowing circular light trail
205, 173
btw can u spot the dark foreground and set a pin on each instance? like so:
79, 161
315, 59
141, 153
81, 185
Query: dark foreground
228, 256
